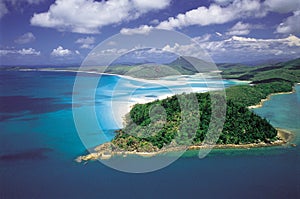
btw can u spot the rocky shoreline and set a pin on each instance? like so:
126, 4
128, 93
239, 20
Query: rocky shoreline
108, 150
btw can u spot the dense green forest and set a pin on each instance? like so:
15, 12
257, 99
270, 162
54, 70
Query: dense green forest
247, 95
241, 125
175, 127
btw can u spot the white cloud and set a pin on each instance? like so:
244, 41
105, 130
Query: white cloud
16, 4
219, 34
203, 38
239, 48
3, 9
291, 40
61, 52
147, 5
191, 49
144, 29
112, 51
224, 11
203, 16
26, 38
239, 28
86, 42
282, 6
215, 14
5, 52
28, 51
88, 16
154, 22
291, 25
154, 55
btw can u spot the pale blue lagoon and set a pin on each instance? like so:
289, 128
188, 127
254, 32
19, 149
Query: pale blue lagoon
39, 142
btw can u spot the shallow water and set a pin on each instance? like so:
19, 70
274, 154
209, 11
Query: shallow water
38, 143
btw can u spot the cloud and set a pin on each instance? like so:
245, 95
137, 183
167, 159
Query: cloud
282, 7
215, 14
86, 42
61, 52
219, 34
291, 25
145, 55
147, 5
89, 16
239, 28
16, 4
224, 11
110, 51
26, 38
154, 21
144, 29
291, 40
203, 38
3, 9
189, 49
28, 51
238, 48
203, 16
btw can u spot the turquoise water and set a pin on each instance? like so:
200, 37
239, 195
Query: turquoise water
283, 111
38, 143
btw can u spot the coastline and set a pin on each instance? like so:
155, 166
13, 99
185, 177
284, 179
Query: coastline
108, 150
262, 101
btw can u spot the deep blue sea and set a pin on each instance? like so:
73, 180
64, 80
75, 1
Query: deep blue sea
39, 142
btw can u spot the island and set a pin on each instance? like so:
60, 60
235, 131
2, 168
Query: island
242, 127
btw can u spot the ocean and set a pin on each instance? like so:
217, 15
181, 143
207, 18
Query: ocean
39, 142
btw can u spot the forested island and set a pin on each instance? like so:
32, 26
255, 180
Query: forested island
242, 127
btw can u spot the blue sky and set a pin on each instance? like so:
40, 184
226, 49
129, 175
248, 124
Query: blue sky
63, 32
